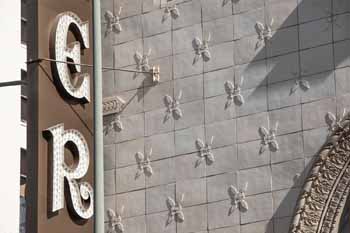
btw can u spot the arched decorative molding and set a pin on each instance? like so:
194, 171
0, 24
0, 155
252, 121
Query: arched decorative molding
326, 189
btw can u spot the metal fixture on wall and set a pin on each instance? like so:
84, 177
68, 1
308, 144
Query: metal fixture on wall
264, 32
155, 74
238, 200
115, 224
234, 93
144, 164
113, 22
173, 108
268, 139
205, 152
201, 48
175, 210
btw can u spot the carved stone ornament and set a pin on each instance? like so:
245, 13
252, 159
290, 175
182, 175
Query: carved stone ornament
300, 83
234, 93
115, 224
172, 105
117, 123
113, 22
171, 11
225, 2
326, 188
268, 139
205, 152
264, 33
201, 48
112, 105
175, 210
144, 164
114, 123
142, 60
333, 122
238, 200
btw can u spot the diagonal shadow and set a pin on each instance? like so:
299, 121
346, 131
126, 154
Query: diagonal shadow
278, 73
276, 48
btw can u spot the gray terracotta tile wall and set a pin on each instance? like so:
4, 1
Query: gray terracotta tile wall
310, 44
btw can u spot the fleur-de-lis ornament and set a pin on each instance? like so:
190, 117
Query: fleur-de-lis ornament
113, 22
334, 122
172, 105
300, 83
115, 224
172, 11
268, 139
117, 123
202, 49
205, 152
238, 198
264, 33
225, 2
234, 93
175, 210
143, 60
144, 164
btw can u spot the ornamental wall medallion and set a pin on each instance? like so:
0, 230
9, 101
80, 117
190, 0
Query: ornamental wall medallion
175, 210
114, 124
115, 224
142, 61
201, 48
225, 2
173, 106
264, 33
234, 93
333, 121
205, 152
300, 83
238, 200
326, 188
113, 22
268, 139
171, 11
144, 164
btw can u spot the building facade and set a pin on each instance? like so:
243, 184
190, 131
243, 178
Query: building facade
219, 116
249, 92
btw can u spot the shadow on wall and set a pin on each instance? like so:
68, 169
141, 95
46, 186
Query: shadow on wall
300, 57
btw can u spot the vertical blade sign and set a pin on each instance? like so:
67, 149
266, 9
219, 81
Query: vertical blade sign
80, 194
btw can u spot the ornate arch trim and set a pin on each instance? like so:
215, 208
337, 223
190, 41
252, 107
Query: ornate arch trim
327, 185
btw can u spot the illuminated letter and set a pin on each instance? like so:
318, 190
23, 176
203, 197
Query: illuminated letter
71, 53
81, 194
